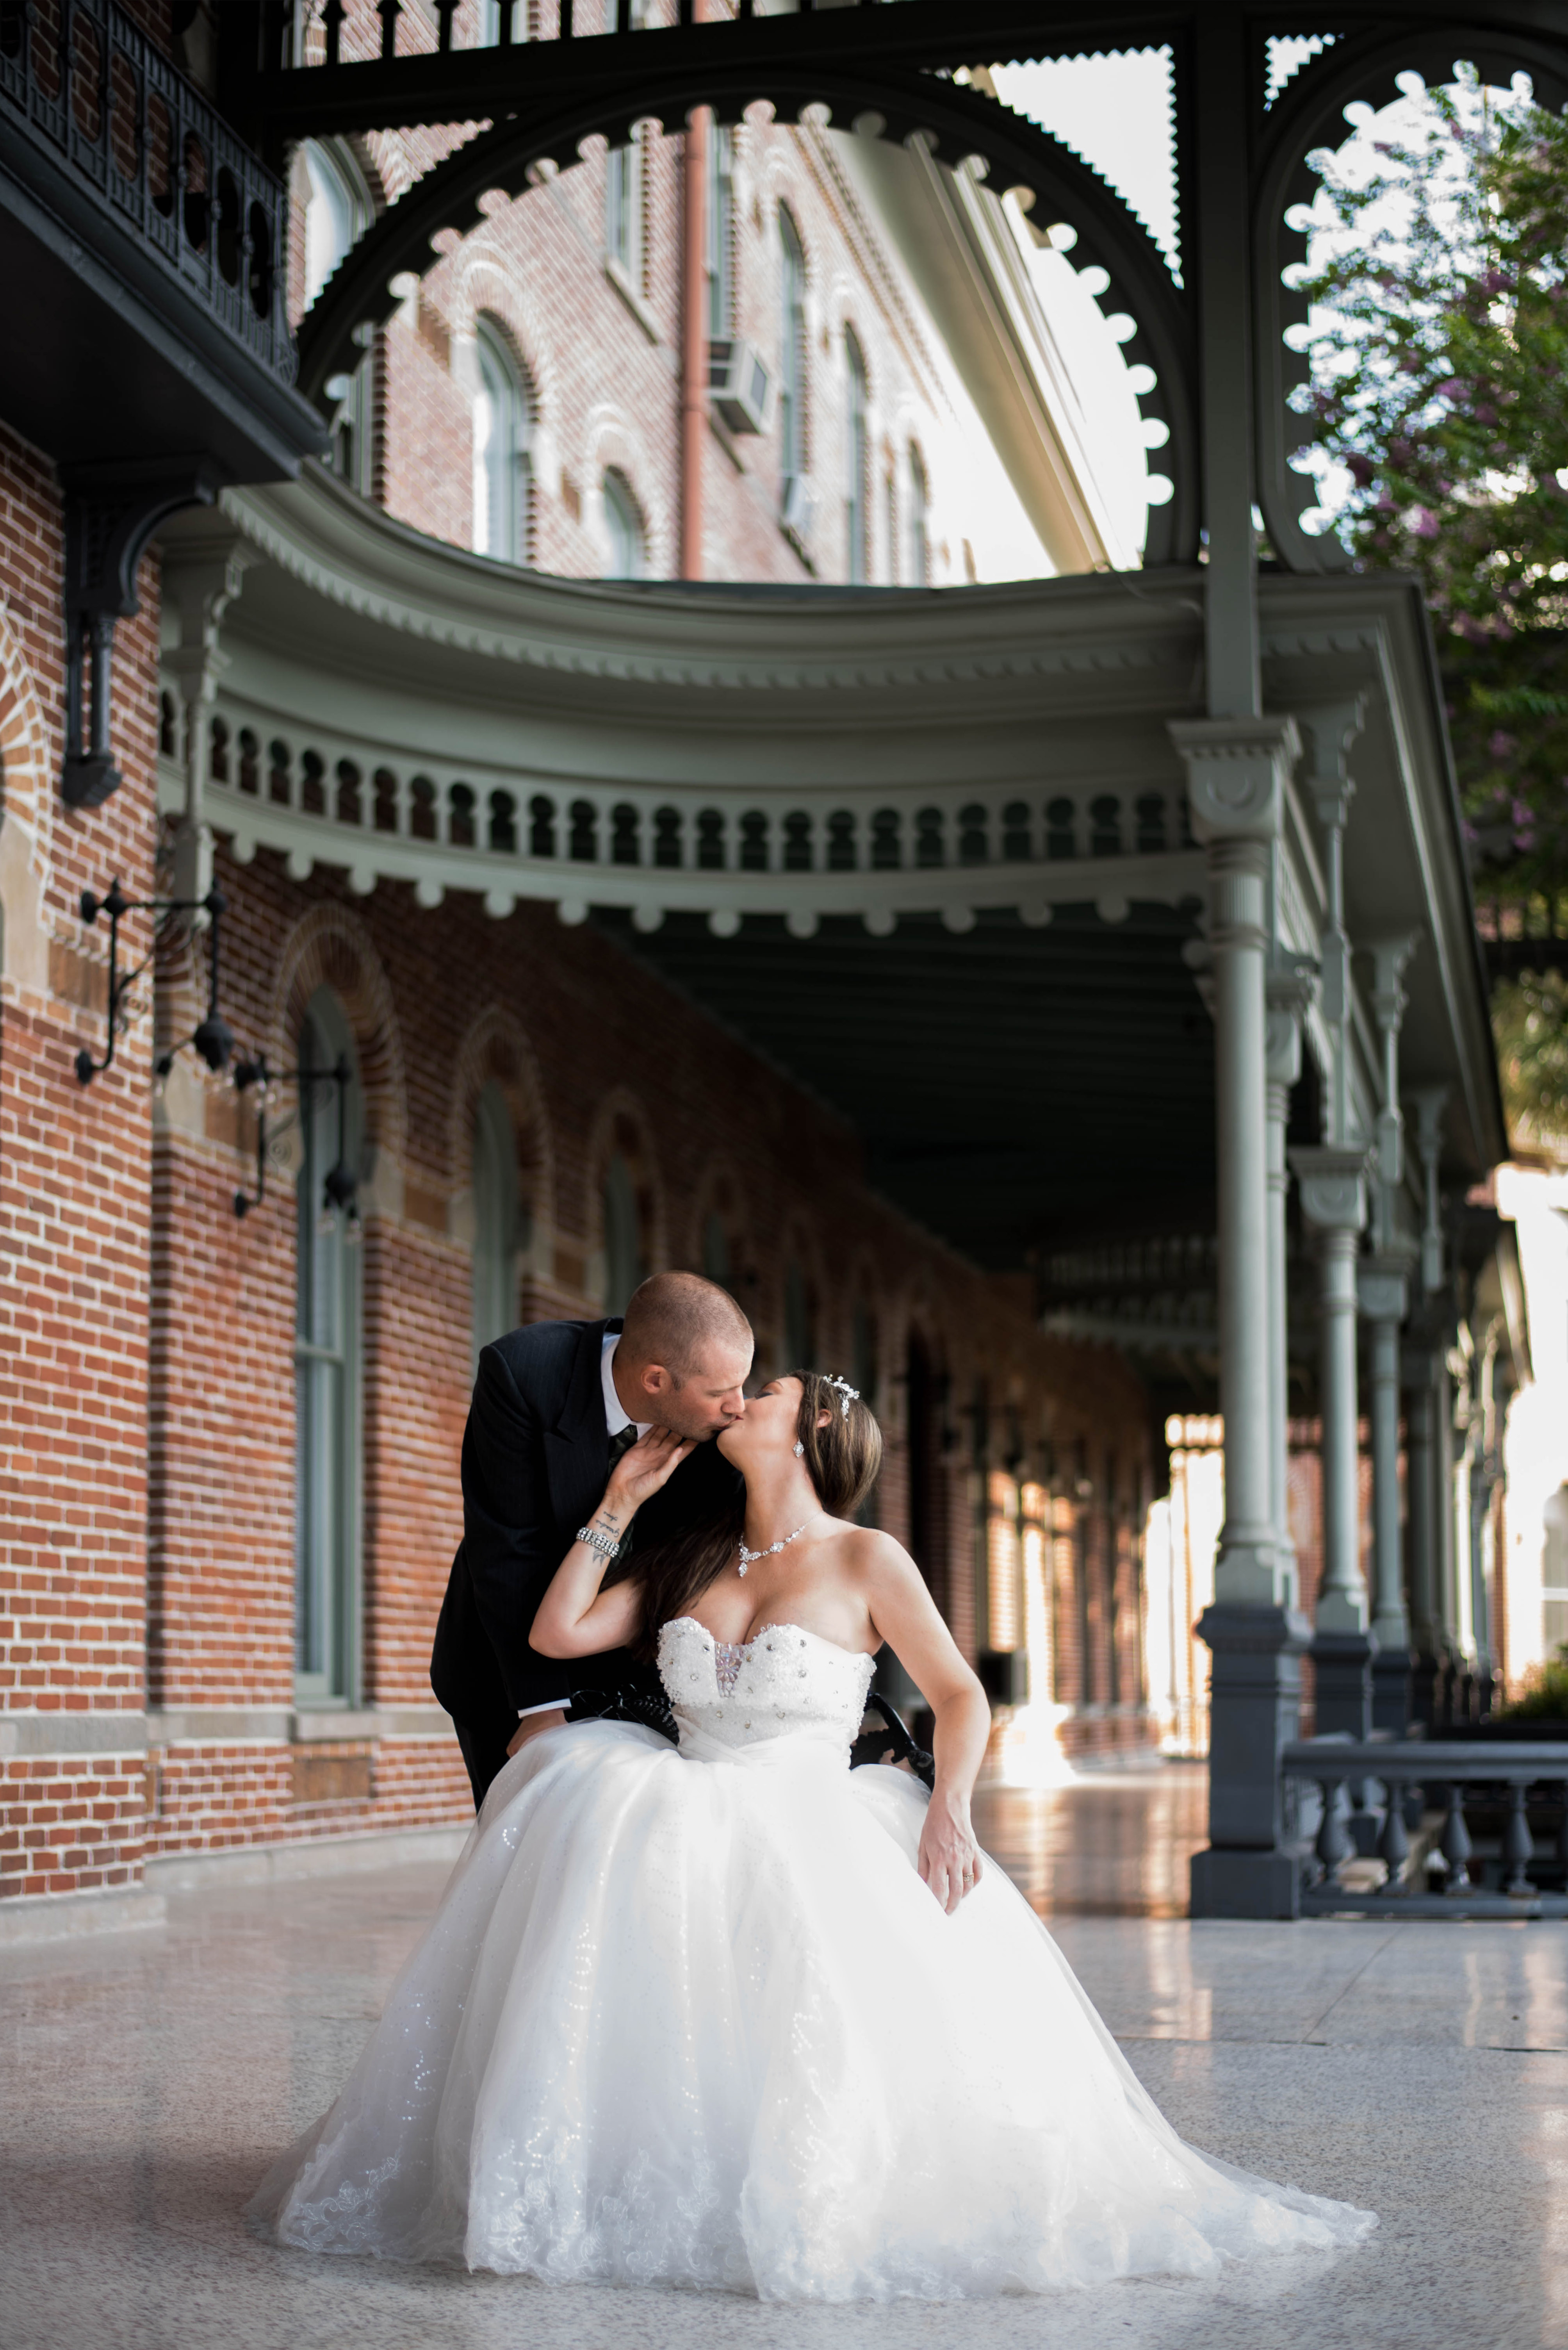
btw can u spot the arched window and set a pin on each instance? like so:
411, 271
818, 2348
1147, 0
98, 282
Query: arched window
719, 239
792, 362
337, 209
800, 1320
327, 1348
624, 1265
716, 1261
623, 211
919, 531
623, 529
856, 455
502, 459
496, 1220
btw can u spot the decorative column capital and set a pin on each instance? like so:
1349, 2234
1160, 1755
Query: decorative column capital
1330, 728
1333, 1186
1389, 958
1289, 992
1236, 769
198, 587
1382, 1285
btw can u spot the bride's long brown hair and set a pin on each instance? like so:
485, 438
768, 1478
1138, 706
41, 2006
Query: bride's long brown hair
843, 1459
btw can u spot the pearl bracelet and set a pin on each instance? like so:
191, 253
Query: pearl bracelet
607, 1546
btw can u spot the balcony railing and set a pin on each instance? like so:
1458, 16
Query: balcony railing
321, 798
93, 91
1433, 1828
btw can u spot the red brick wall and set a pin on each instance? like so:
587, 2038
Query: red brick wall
604, 381
74, 1222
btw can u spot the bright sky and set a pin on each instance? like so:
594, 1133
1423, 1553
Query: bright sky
1115, 112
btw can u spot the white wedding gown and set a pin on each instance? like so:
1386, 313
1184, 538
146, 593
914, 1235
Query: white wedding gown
691, 2018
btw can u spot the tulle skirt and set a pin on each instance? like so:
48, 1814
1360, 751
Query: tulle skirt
692, 2018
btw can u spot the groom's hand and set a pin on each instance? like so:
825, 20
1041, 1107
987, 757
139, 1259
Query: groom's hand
531, 1726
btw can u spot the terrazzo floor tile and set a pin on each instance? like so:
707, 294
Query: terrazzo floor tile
147, 2079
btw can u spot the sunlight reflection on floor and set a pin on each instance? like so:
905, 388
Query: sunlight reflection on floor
1113, 1844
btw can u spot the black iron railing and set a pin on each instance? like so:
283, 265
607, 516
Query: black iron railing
93, 90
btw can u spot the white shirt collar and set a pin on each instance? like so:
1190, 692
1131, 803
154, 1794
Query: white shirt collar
616, 1415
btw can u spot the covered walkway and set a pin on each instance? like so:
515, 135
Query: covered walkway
147, 2079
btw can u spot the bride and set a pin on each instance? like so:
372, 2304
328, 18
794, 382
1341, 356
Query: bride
732, 2015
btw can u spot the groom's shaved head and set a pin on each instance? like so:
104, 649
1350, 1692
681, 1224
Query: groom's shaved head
675, 1318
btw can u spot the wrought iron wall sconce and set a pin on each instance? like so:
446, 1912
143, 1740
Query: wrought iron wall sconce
213, 1037
213, 1040
340, 1185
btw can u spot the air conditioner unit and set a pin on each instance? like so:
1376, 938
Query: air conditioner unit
739, 385
799, 510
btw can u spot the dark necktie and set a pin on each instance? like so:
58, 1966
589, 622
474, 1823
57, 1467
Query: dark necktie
622, 1441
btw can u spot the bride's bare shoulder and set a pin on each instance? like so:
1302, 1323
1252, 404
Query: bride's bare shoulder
869, 1553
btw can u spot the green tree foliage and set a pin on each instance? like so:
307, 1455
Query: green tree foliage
1440, 347
1530, 1019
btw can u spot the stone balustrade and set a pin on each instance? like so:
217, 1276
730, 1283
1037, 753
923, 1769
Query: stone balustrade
1463, 1828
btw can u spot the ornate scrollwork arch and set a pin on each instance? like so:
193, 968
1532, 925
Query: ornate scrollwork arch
1309, 115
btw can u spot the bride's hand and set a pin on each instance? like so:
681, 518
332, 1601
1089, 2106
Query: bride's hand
949, 1857
643, 1468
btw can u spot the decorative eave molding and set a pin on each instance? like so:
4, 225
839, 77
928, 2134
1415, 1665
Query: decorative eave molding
662, 635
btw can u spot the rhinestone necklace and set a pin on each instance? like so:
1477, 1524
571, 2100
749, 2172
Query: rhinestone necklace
750, 1557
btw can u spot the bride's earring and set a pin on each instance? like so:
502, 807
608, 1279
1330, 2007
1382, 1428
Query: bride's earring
799, 1449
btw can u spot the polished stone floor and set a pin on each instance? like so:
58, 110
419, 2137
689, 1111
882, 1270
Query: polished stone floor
1422, 2069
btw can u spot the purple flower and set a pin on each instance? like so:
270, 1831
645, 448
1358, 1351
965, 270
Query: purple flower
1470, 629
1450, 389
1400, 452
1497, 281
1360, 469
1424, 523
1503, 745
1486, 413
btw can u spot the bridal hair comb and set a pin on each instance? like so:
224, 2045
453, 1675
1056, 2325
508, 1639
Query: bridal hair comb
847, 1394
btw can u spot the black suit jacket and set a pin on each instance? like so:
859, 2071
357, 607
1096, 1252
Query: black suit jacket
535, 1456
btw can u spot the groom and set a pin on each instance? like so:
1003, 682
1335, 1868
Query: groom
554, 1406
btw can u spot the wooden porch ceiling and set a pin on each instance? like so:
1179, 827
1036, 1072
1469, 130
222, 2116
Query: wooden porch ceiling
1011, 1087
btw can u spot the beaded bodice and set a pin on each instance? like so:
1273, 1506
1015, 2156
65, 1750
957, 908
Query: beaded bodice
783, 1681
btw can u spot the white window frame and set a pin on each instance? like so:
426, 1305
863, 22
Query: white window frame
718, 232
625, 533
793, 346
497, 1217
339, 209
328, 1357
624, 1268
623, 212
919, 531
503, 448
857, 446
